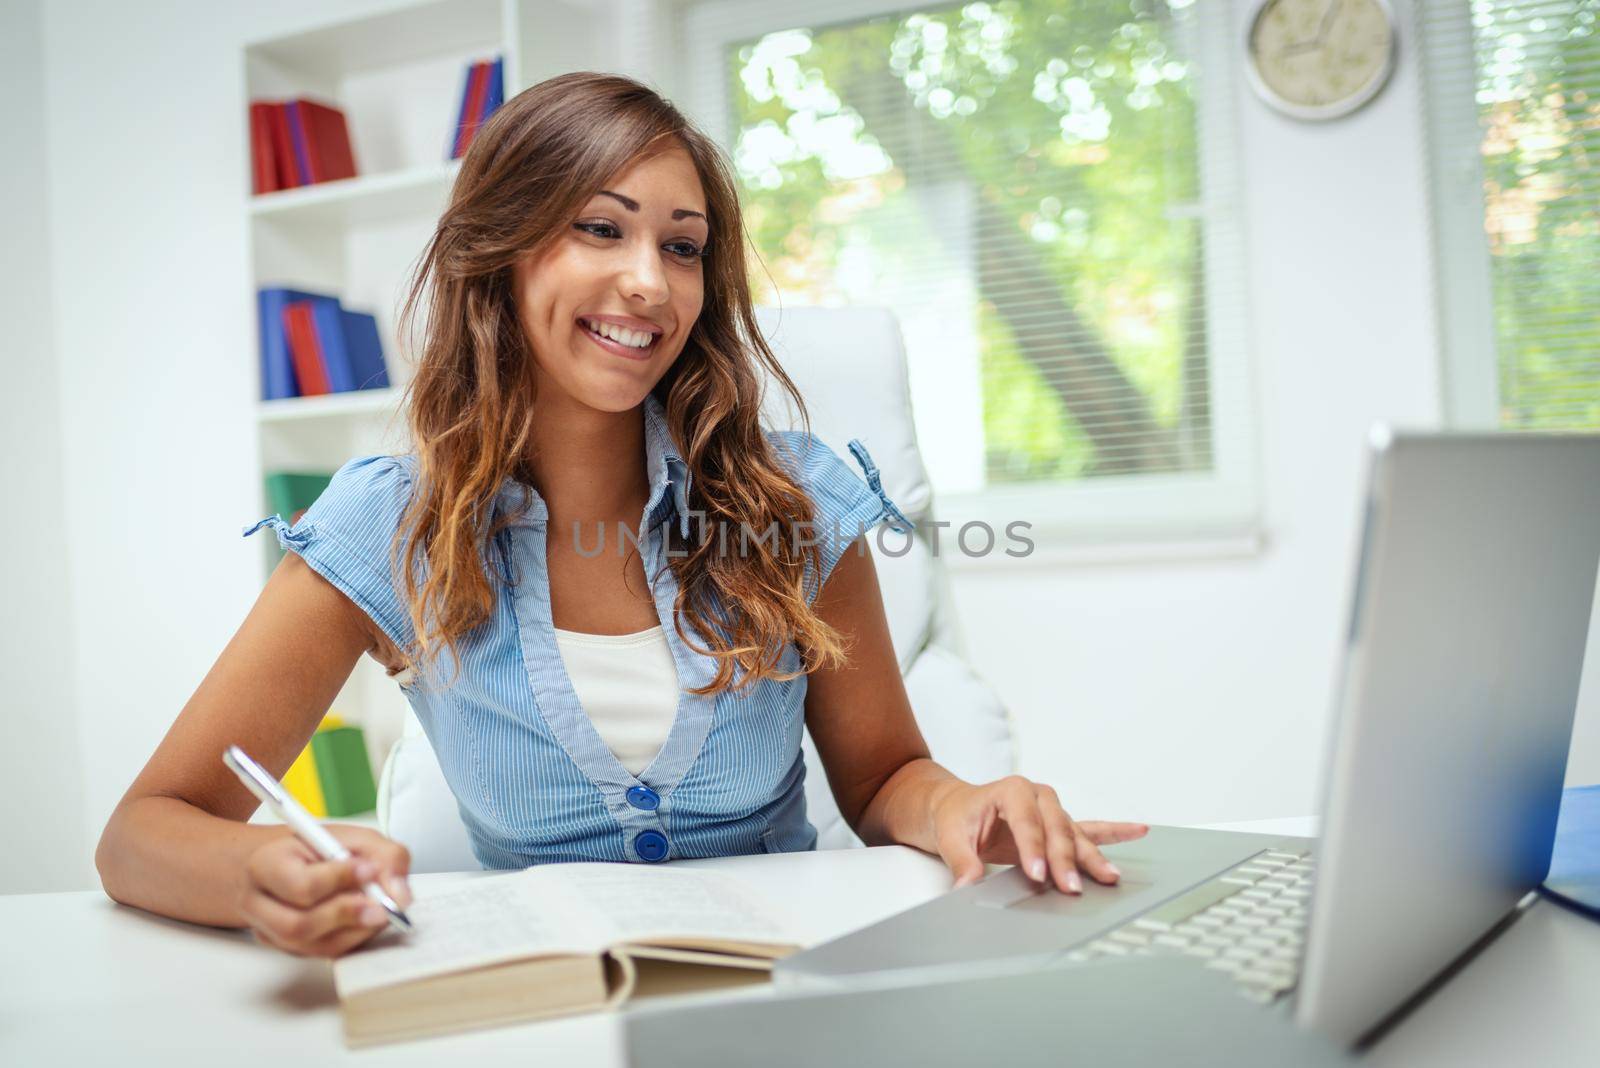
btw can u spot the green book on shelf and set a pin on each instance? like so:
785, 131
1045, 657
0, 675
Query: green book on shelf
343, 770
291, 492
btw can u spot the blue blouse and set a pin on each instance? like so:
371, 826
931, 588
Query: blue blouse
532, 778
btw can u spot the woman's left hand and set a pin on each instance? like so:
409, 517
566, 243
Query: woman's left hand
1017, 821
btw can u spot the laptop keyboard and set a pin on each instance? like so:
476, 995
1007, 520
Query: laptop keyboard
1249, 923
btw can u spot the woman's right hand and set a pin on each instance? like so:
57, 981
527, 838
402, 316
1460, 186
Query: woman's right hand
302, 904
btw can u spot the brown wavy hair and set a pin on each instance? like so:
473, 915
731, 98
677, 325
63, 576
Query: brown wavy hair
528, 173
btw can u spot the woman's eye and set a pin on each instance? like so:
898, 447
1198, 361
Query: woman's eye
682, 249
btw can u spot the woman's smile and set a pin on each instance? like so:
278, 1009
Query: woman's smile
625, 342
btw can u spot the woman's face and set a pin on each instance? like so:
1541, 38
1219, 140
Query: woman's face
630, 259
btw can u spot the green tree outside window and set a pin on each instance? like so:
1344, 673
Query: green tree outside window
1070, 127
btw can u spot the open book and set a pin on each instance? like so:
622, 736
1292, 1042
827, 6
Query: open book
555, 939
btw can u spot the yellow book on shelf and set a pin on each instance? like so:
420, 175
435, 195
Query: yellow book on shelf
303, 784
302, 779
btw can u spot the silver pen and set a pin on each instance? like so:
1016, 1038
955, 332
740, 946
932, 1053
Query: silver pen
305, 826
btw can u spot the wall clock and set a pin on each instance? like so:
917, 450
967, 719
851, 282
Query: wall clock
1320, 59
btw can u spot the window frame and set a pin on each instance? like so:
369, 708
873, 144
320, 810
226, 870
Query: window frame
1222, 505
1463, 306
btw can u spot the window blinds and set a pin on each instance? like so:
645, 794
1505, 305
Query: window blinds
1040, 189
1512, 94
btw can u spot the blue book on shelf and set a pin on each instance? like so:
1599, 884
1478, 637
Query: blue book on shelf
328, 318
497, 89
297, 137
1574, 877
494, 94
461, 114
277, 368
364, 351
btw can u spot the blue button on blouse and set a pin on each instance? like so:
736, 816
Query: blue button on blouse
651, 845
532, 778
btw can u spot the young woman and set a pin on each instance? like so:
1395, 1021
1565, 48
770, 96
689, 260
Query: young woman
591, 363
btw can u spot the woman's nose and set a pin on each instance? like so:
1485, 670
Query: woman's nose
643, 275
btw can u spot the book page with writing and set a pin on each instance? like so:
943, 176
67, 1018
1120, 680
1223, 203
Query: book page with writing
645, 903
487, 921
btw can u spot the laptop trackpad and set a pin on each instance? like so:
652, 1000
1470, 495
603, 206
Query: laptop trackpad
1095, 899
1015, 919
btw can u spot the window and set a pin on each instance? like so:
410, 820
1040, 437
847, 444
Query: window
1041, 192
1513, 99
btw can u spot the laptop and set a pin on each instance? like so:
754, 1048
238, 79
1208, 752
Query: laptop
1474, 586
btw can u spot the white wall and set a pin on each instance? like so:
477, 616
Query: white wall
1189, 690
152, 312
40, 773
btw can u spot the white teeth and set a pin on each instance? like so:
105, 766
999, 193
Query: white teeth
632, 338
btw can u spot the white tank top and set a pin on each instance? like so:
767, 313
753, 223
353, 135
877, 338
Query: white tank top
628, 686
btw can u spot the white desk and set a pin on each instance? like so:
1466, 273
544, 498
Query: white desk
88, 981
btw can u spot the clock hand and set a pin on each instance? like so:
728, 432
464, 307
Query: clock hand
1327, 19
1322, 31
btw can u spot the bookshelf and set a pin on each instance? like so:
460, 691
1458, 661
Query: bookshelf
303, 409
362, 201
396, 72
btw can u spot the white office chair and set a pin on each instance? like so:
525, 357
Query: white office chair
850, 366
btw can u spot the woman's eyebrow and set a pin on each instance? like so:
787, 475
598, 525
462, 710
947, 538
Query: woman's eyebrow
633, 205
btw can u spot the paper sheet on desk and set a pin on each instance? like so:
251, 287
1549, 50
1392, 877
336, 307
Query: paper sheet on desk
1574, 877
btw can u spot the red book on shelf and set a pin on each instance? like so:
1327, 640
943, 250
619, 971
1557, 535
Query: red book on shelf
476, 88
331, 157
305, 350
263, 169
282, 146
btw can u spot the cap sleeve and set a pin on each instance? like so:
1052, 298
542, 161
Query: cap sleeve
345, 536
845, 506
